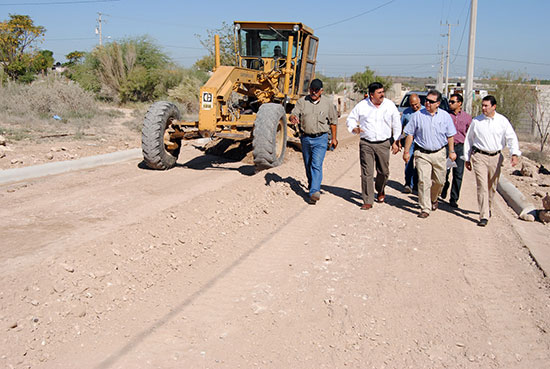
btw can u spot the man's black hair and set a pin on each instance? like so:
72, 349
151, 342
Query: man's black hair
374, 86
458, 97
436, 93
491, 99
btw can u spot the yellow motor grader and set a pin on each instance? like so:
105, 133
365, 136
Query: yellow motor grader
276, 63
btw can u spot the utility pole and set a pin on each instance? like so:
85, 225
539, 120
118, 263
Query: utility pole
468, 93
439, 81
448, 55
98, 29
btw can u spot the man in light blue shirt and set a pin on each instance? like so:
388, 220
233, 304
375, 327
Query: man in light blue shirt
431, 129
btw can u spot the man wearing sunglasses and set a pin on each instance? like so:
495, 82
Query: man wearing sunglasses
315, 115
462, 121
377, 122
431, 129
485, 139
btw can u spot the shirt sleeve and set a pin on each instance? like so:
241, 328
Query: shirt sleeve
298, 108
353, 118
396, 124
411, 126
451, 129
511, 139
468, 141
333, 115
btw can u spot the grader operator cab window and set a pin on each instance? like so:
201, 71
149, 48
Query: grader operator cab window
255, 44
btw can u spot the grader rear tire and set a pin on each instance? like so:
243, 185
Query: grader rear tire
269, 136
159, 152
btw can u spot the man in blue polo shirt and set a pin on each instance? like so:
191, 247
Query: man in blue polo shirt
431, 129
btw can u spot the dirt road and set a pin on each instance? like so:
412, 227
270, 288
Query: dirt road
209, 265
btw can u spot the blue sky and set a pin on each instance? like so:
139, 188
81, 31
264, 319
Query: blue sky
399, 37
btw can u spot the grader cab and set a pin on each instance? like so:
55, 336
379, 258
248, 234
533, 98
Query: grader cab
250, 101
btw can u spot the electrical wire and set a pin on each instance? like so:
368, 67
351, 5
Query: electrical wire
463, 31
62, 2
355, 16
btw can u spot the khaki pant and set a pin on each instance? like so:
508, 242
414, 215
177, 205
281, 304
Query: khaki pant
371, 156
487, 172
431, 177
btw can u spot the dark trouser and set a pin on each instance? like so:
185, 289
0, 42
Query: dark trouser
371, 156
458, 172
411, 175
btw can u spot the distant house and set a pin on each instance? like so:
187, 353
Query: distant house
58, 68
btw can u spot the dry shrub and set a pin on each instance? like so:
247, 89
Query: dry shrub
31, 108
187, 92
47, 97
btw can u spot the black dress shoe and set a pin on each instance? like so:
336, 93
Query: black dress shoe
453, 204
482, 222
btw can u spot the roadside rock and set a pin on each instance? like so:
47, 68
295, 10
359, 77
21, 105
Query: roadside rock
528, 170
2, 140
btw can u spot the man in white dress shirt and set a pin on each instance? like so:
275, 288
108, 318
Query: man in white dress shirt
484, 141
378, 123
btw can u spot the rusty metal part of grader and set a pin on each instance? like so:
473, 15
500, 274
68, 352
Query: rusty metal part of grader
276, 62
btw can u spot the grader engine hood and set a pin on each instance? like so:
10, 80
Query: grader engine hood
215, 95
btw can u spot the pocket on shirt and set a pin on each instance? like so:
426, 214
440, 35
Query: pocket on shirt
323, 116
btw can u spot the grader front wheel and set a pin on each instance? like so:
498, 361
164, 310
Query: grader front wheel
270, 136
159, 150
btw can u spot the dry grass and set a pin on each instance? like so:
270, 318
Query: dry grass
27, 111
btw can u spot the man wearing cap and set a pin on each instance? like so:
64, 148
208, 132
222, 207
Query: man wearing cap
431, 129
485, 139
377, 122
315, 115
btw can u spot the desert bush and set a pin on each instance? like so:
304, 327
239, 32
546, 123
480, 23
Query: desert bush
187, 92
47, 97
24, 108
131, 70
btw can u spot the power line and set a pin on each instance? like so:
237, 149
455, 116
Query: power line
69, 39
364, 54
510, 61
62, 2
463, 30
356, 16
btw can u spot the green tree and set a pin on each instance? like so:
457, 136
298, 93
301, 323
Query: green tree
43, 61
132, 69
331, 85
74, 57
514, 96
17, 35
364, 79
227, 47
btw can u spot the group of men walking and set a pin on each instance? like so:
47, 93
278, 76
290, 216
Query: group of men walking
434, 142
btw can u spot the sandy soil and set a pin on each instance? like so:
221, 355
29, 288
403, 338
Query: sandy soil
210, 265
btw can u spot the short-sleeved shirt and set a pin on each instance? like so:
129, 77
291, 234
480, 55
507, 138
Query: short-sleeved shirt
430, 132
462, 122
407, 113
315, 117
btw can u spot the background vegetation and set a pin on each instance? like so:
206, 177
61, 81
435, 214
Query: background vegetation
137, 71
